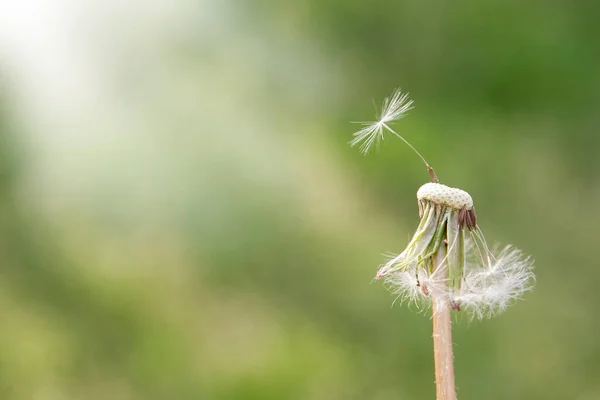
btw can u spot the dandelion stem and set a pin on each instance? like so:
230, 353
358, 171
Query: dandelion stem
442, 341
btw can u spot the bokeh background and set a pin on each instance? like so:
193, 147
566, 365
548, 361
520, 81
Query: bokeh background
181, 216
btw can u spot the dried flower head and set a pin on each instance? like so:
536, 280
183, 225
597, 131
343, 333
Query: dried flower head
448, 258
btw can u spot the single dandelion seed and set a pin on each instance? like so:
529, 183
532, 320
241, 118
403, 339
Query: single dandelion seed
394, 108
447, 264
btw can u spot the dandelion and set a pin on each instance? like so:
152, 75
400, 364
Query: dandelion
470, 276
448, 264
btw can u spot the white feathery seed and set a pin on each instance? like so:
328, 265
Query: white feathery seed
394, 108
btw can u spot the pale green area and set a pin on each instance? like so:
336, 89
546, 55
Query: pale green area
224, 248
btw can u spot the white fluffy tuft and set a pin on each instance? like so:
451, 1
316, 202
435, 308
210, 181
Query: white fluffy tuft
492, 280
491, 290
394, 108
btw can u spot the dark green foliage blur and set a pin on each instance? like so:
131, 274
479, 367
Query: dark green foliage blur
230, 253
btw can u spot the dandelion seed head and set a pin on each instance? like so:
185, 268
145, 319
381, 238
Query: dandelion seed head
469, 276
448, 258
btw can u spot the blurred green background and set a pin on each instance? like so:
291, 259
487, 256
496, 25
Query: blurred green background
182, 218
